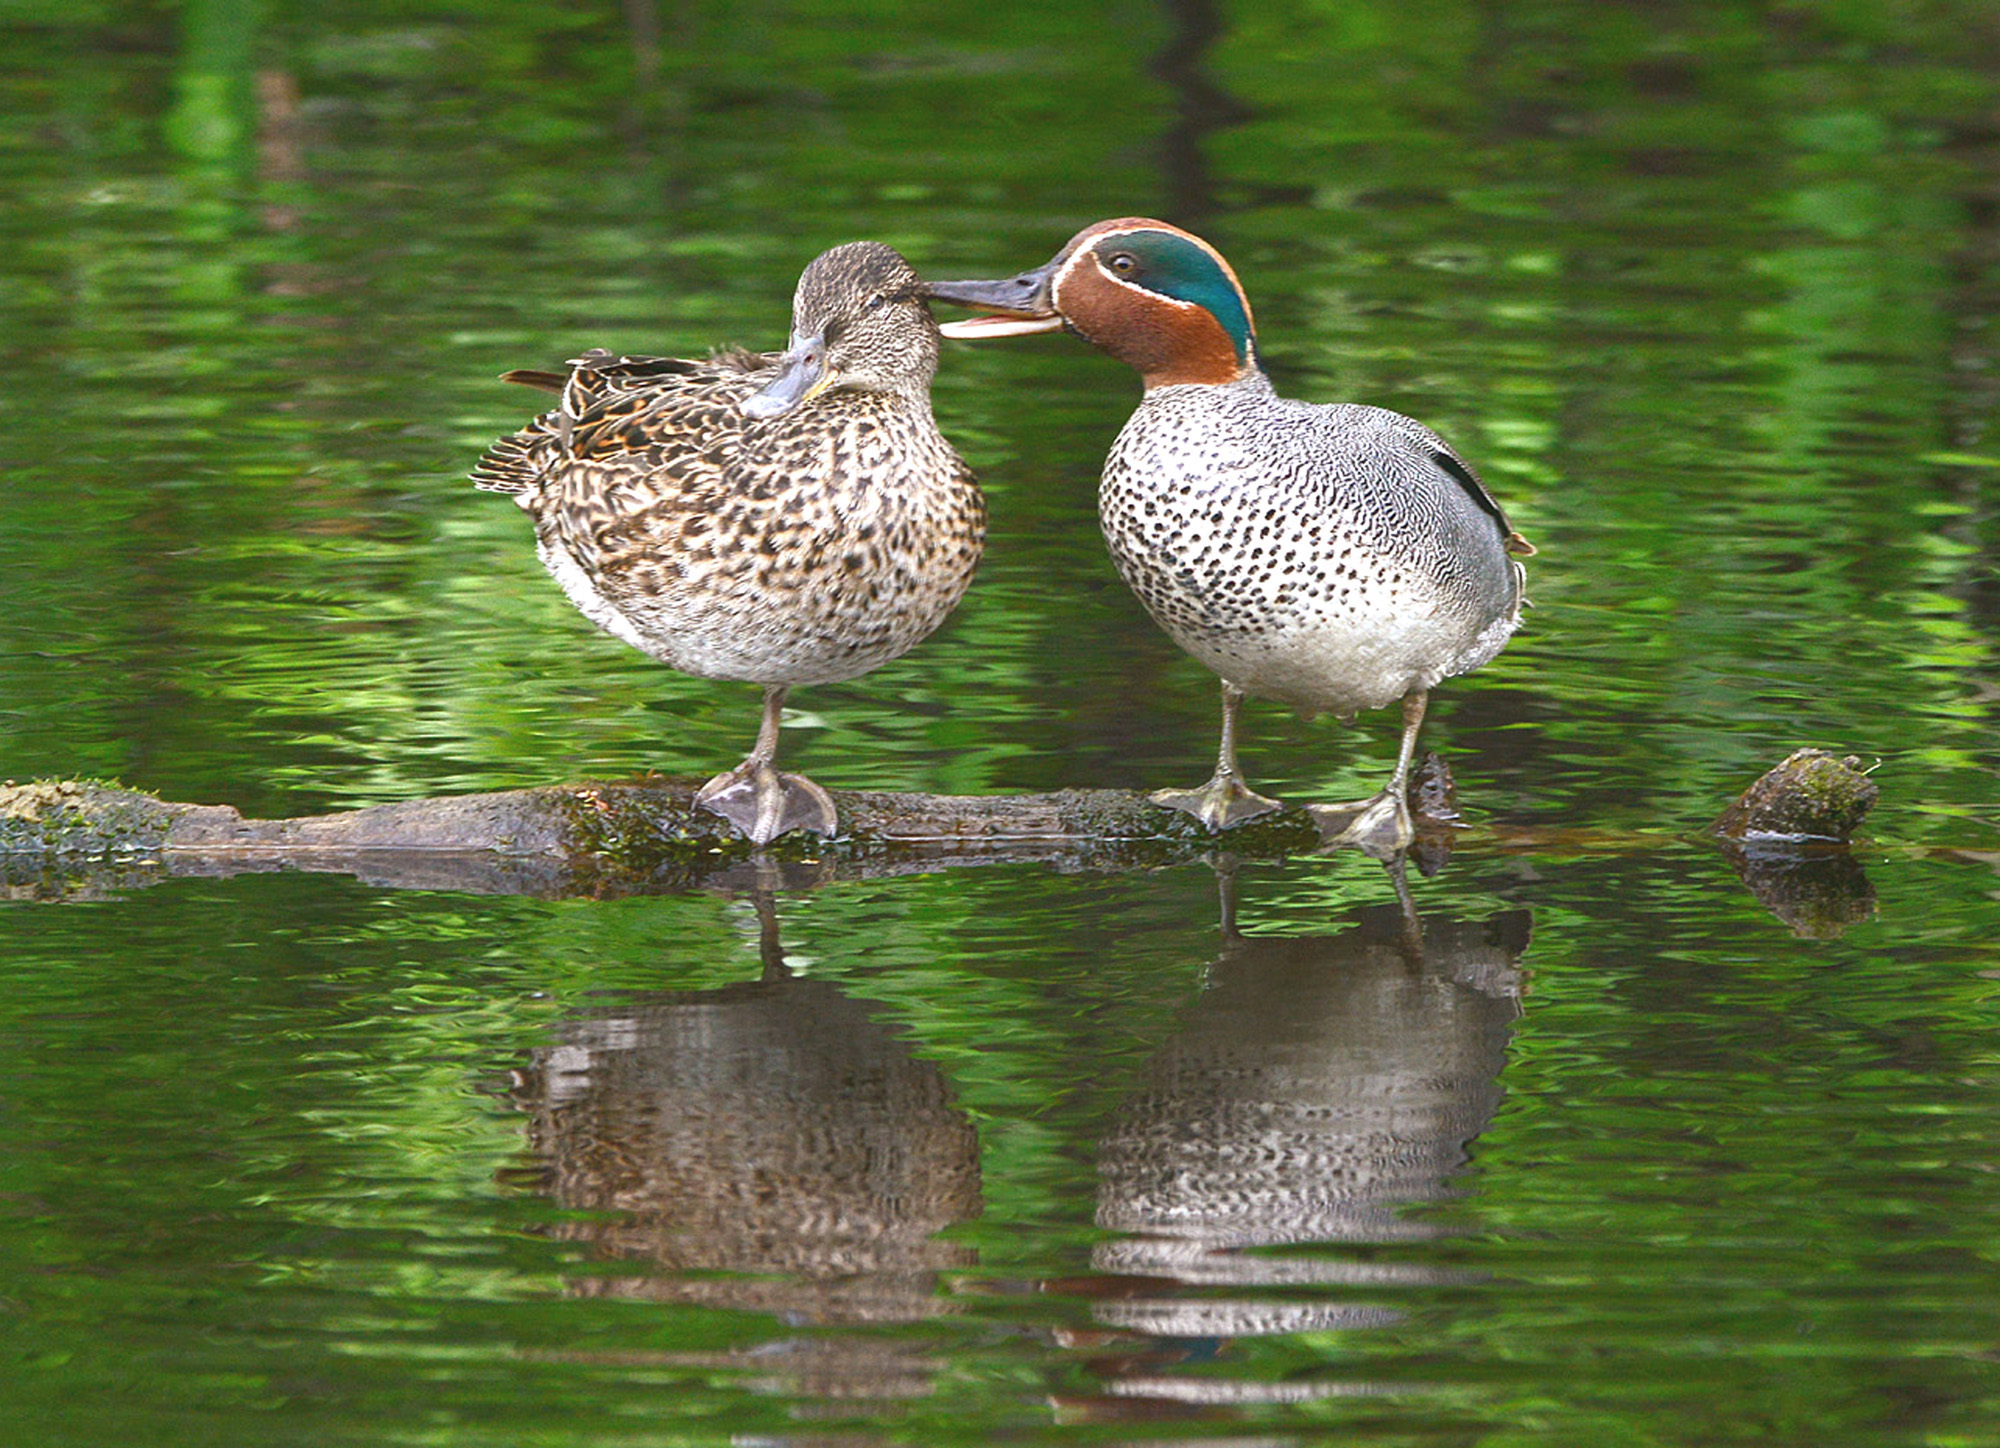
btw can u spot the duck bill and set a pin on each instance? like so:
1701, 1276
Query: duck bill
1015, 307
802, 376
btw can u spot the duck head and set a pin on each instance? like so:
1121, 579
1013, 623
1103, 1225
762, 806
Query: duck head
859, 323
1155, 297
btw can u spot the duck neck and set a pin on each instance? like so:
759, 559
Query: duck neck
1235, 376
1180, 373
1169, 344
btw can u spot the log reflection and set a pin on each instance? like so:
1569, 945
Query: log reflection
766, 1147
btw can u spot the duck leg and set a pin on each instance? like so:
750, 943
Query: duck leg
1379, 825
1225, 800
761, 802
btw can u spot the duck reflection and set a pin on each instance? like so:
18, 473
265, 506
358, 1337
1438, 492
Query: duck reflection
1321, 1085
767, 1147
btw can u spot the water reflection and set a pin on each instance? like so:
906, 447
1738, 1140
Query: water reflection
1816, 890
1201, 108
1320, 1085
768, 1147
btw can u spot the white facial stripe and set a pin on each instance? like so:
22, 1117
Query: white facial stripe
1062, 276
1113, 277
1110, 276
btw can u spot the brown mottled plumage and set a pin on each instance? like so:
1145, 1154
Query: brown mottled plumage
780, 519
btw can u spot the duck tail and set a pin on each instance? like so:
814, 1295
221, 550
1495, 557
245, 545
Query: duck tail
528, 377
514, 464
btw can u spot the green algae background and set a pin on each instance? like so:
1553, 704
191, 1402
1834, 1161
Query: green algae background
1703, 291
1706, 291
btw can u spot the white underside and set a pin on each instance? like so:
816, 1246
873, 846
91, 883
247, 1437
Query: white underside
1342, 666
583, 593
713, 640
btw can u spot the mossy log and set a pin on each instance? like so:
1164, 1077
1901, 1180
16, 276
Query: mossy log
608, 837
73, 838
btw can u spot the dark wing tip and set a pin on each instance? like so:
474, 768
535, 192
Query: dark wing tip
528, 377
1476, 490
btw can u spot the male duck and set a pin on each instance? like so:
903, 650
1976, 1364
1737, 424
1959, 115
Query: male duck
778, 519
1331, 557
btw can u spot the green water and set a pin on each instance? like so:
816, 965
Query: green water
1007, 1154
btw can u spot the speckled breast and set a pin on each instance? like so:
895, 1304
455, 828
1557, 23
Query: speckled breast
850, 549
1313, 555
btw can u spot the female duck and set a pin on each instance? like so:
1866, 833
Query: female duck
1331, 557
778, 519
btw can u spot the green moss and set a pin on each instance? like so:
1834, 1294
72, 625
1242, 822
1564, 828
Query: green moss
1809, 796
81, 817
637, 829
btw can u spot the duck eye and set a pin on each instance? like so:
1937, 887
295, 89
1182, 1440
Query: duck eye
877, 302
1124, 263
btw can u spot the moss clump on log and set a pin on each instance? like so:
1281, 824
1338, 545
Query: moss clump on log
1786, 837
1809, 796
81, 817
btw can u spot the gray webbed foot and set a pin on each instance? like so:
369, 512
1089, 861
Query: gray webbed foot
764, 804
1225, 801
1379, 826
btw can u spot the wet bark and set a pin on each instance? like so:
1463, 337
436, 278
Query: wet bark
71, 838
610, 837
